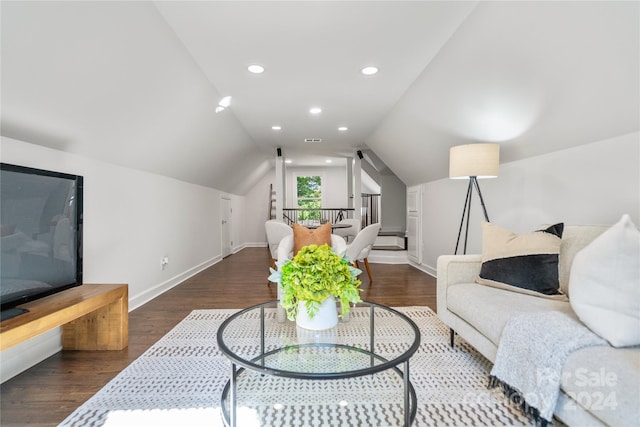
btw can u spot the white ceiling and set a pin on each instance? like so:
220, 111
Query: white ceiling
313, 53
137, 83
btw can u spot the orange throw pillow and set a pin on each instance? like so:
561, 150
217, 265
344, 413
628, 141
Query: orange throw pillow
302, 236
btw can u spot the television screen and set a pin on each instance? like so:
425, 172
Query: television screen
40, 233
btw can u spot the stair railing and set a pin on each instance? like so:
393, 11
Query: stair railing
321, 216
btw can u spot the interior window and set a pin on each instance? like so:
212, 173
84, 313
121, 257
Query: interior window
309, 196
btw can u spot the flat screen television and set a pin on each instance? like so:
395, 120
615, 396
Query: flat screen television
40, 235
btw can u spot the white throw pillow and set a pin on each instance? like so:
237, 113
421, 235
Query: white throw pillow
604, 284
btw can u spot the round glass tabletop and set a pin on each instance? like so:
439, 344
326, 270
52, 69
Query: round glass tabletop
371, 338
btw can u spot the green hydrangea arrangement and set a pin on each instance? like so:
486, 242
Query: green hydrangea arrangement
314, 274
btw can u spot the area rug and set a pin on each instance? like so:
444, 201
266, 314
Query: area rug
180, 379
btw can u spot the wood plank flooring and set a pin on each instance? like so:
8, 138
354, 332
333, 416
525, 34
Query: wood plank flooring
48, 392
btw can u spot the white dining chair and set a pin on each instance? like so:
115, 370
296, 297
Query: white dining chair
351, 231
276, 231
359, 249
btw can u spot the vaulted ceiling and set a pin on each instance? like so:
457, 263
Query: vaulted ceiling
138, 83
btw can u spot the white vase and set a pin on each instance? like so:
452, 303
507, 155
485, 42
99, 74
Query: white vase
326, 317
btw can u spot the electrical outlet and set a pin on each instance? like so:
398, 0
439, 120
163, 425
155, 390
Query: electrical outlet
164, 262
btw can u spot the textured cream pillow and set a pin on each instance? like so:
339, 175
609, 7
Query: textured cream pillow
605, 284
525, 263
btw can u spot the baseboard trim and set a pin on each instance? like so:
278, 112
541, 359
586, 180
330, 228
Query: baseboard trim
236, 249
149, 294
388, 257
29, 353
425, 268
24, 356
256, 245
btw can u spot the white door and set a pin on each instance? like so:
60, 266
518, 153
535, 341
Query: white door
413, 223
225, 215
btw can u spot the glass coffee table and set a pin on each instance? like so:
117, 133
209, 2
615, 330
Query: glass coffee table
279, 371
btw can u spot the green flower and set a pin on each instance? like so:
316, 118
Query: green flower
313, 275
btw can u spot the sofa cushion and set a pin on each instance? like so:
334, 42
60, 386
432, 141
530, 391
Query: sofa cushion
526, 263
605, 284
605, 382
488, 309
302, 236
574, 239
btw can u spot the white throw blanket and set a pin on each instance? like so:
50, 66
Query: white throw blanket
531, 354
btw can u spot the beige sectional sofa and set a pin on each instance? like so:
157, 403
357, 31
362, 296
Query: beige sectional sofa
602, 385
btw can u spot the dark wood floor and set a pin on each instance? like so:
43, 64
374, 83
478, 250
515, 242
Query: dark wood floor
48, 392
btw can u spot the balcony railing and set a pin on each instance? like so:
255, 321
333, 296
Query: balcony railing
369, 213
316, 216
370, 209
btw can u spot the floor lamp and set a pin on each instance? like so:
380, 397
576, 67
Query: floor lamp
473, 161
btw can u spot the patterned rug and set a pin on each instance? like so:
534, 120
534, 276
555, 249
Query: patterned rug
179, 381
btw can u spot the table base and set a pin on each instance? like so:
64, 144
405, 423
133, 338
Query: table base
382, 398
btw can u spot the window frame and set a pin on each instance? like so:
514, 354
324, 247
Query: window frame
296, 200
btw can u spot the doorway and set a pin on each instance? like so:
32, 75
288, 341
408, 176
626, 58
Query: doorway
225, 231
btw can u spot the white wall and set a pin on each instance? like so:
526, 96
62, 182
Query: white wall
256, 200
393, 202
131, 220
536, 75
334, 190
256, 211
371, 179
590, 184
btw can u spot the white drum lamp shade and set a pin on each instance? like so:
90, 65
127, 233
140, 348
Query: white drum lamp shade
479, 160
473, 161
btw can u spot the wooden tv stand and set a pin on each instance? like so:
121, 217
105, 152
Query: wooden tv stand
93, 317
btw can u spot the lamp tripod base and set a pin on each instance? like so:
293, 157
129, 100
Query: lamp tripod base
466, 212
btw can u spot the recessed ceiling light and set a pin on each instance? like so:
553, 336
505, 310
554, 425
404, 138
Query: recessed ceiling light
369, 71
315, 110
328, 161
288, 161
255, 69
225, 102
276, 127
343, 128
